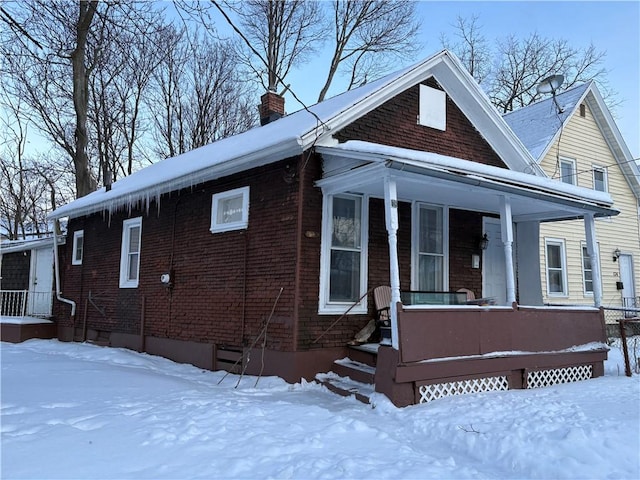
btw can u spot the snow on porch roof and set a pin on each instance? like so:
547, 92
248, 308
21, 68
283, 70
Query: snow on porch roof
464, 171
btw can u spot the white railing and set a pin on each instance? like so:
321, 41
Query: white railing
20, 303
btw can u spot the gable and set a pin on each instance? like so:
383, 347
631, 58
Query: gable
395, 124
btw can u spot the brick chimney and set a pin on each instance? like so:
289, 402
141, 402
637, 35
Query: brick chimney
271, 107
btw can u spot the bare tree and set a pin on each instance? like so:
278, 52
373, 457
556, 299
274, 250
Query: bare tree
198, 96
367, 33
512, 68
471, 47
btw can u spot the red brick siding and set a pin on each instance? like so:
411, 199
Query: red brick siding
395, 123
217, 277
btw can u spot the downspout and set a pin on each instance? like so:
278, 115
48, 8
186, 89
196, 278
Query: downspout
56, 264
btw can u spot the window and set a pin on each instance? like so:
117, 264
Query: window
600, 179
78, 247
587, 273
568, 171
230, 210
429, 248
556, 272
432, 108
130, 252
343, 277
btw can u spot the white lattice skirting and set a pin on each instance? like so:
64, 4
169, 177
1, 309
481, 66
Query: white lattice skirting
544, 378
462, 387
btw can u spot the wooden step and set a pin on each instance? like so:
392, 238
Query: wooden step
366, 353
346, 387
357, 371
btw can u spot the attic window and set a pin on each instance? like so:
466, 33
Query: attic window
433, 108
583, 110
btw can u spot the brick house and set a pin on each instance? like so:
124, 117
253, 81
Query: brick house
279, 234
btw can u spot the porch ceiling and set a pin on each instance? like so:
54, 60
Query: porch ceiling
431, 178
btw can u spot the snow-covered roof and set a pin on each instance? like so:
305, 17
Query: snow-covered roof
11, 246
538, 126
294, 133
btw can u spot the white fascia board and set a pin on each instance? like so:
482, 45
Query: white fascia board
114, 201
13, 246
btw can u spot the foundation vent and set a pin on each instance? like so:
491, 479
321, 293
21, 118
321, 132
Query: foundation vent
554, 376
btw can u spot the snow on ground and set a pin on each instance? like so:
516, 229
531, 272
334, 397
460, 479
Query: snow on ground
78, 411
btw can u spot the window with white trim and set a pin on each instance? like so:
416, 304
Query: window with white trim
430, 241
568, 171
130, 252
230, 210
556, 268
78, 247
587, 272
344, 254
600, 179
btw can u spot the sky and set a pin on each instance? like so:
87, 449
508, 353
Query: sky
80, 411
613, 27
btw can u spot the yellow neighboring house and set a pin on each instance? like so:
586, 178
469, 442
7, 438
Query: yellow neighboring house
575, 140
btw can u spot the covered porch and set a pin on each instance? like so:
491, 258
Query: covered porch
515, 342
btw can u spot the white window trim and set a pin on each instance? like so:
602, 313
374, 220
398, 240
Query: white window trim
127, 225
574, 177
74, 260
415, 243
605, 176
563, 257
326, 307
241, 224
583, 246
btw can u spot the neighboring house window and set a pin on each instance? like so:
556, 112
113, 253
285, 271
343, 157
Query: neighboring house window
78, 247
230, 210
587, 272
568, 171
130, 252
600, 179
556, 270
343, 276
429, 248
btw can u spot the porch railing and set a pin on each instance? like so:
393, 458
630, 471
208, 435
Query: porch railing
19, 303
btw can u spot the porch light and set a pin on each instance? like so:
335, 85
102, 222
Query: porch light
616, 254
484, 242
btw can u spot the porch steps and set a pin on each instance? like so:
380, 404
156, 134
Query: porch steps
346, 387
357, 371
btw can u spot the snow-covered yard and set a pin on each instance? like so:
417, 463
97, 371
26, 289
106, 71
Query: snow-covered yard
80, 411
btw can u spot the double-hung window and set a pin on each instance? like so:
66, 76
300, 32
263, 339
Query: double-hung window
600, 179
130, 252
556, 268
568, 171
587, 272
78, 247
343, 274
430, 241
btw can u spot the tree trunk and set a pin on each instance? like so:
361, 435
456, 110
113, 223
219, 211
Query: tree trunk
85, 184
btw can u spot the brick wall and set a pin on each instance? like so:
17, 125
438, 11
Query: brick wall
225, 284
394, 123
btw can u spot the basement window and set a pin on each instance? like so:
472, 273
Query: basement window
78, 247
433, 108
230, 210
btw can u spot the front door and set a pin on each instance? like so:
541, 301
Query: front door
628, 292
40, 282
494, 282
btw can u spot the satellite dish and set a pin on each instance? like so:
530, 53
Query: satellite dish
550, 84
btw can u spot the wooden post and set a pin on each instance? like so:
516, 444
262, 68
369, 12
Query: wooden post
391, 217
142, 340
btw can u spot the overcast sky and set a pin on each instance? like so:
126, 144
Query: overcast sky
611, 26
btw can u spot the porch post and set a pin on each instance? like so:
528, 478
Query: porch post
506, 226
594, 256
391, 220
